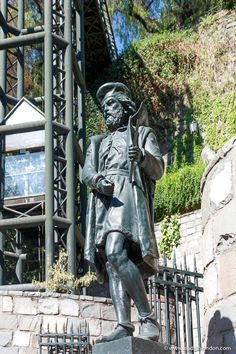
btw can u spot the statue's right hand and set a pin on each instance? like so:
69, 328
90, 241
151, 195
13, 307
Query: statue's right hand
106, 187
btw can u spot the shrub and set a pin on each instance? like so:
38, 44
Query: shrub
178, 192
61, 280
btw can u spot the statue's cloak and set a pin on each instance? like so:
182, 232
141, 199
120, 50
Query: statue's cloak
143, 250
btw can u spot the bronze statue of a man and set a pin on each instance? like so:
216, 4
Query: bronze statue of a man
120, 237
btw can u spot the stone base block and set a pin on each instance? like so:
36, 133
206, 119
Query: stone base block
131, 345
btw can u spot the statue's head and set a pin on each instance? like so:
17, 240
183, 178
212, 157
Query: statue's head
117, 105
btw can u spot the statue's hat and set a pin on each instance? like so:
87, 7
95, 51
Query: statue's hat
116, 89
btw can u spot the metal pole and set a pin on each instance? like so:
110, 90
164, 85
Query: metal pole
70, 167
81, 110
3, 71
19, 263
27, 39
197, 308
176, 297
166, 301
20, 62
177, 322
49, 170
160, 314
188, 310
2, 261
3, 62
166, 304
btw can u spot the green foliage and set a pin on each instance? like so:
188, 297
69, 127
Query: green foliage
186, 147
87, 279
34, 73
178, 14
170, 229
95, 121
61, 280
216, 115
178, 191
134, 19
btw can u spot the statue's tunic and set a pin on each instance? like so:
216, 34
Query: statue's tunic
129, 210
117, 213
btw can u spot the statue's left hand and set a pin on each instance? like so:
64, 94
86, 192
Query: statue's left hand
105, 186
135, 154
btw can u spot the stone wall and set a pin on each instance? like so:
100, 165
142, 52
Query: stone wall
219, 246
23, 314
191, 240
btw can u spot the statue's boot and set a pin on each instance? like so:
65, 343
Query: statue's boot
149, 328
121, 302
118, 333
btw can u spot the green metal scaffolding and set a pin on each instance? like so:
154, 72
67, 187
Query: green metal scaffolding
61, 35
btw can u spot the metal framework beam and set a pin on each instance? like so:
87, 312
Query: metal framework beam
107, 27
32, 38
32, 221
32, 126
17, 41
14, 223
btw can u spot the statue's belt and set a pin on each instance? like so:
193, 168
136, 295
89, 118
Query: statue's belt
119, 172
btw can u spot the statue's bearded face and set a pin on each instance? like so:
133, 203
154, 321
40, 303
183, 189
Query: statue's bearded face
114, 113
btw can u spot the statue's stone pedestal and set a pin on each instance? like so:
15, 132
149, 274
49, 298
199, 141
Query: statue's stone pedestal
131, 345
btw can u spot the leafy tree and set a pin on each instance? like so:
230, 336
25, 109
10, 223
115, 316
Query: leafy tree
33, 54
136, 19
182, 13
33, 16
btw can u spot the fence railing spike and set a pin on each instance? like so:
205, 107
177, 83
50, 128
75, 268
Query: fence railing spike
164, 260
71, 328
174, 260
195, 263
185, 261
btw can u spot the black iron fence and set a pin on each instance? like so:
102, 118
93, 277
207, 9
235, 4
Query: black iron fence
175, 297
76, 340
